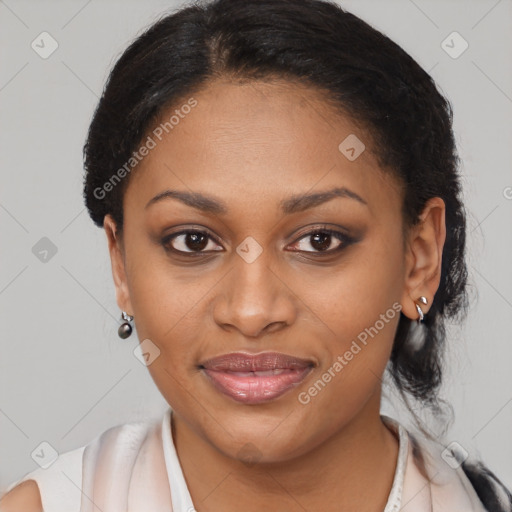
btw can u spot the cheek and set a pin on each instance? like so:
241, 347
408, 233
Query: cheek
359, 303
167, 309
355, 358
353, 296
171, 309
169, 313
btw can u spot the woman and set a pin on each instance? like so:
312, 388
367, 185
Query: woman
278, 183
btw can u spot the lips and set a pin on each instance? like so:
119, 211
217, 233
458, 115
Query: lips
242, 362
255, 378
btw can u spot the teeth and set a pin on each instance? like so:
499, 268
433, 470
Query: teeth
261, 373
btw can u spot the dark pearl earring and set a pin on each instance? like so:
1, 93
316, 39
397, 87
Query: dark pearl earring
125, 329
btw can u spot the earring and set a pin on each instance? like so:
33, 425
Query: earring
421, 315
125, 329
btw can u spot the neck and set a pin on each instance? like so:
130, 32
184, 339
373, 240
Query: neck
336, 475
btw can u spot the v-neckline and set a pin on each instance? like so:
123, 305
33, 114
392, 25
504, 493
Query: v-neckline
180, 494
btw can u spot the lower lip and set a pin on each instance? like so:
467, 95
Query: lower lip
256, 388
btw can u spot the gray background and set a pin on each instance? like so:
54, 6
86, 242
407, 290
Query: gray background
65, 375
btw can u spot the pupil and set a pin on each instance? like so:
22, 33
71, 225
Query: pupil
198, 241
325, 241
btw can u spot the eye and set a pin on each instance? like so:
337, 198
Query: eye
197, 242
189, 241
324, 240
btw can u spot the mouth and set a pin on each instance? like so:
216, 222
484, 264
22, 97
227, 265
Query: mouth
255, 378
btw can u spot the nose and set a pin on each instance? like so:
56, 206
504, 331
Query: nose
255, 300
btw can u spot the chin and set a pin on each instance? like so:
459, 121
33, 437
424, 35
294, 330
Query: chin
260, 439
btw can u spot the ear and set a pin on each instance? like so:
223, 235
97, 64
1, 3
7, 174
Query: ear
423, 258
116, 249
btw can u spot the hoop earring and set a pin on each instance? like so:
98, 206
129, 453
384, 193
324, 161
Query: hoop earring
421, 315
125, 329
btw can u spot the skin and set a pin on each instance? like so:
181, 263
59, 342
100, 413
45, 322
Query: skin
252, 146
24, 496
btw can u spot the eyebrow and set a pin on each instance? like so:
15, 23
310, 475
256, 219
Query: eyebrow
293, 204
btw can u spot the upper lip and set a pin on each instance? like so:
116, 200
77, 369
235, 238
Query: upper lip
244, 362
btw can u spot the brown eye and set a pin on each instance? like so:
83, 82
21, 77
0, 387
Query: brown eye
191, 241
323, 241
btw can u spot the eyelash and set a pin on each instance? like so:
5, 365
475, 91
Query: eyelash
342, 237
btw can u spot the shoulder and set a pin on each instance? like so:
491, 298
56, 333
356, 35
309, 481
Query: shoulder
48, 489
59, 486
24, 496
451, 488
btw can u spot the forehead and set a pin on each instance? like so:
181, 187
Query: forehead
257, 141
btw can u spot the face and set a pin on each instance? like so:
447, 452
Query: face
280, 242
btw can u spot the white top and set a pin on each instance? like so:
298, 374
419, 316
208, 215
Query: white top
134, 467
